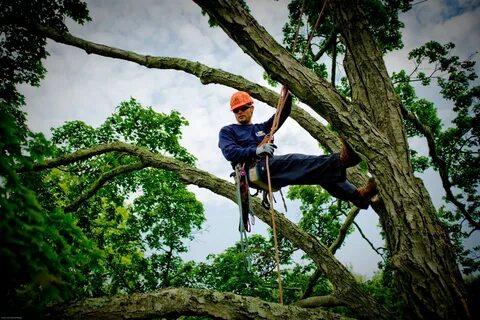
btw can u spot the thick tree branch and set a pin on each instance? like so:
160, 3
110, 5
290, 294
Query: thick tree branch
206, 74
425, 267
334, 61
173, 303
441, 165
104, 178
347, 289
261, 47
344, 116
322, 301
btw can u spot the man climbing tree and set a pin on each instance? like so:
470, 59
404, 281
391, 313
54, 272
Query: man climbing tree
241, 143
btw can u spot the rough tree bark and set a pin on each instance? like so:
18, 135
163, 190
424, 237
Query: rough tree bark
173, 303
425, 268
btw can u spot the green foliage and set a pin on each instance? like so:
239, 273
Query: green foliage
22, 50
320, 215
296, 279
125, 238
383, 22
385, 294
290, 29
227, 271
344, 87
39, 247
160, 218
35, 253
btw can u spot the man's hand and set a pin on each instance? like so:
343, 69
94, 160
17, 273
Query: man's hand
266, 149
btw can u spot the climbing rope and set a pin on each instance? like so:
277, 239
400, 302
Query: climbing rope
281, 103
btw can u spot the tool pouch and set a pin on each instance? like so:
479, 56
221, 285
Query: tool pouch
254, 178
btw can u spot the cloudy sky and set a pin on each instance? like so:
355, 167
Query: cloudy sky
88, 88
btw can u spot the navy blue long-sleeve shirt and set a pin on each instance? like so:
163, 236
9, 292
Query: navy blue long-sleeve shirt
239, 142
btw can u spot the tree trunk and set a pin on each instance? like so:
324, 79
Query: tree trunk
423, 258
424, 261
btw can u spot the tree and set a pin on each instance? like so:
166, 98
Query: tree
136, 216
372, 120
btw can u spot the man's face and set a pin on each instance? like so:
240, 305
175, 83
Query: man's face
244, 114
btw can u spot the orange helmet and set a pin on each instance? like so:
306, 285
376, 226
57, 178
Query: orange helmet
240, 98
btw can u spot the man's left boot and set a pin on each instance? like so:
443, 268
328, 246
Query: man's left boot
348, 157
362, 196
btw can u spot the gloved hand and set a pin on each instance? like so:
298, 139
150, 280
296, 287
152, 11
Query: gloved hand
266, 149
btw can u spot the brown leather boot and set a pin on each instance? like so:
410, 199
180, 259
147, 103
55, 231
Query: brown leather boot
348, 157
362, 195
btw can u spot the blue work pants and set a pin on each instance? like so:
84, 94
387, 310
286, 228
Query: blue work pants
300, 169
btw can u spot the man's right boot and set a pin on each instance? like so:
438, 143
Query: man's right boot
361, 197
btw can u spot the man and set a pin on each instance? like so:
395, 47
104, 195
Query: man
240, 145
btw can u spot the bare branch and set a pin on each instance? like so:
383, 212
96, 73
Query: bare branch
369, 242
343, 230
326, 44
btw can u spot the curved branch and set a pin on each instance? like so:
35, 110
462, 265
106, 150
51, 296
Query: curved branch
326, 45
172, 303
343, 230
323, 89
442, 166
347, 289
104, 178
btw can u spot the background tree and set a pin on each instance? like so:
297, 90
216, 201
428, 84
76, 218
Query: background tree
138, 217
30, 261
